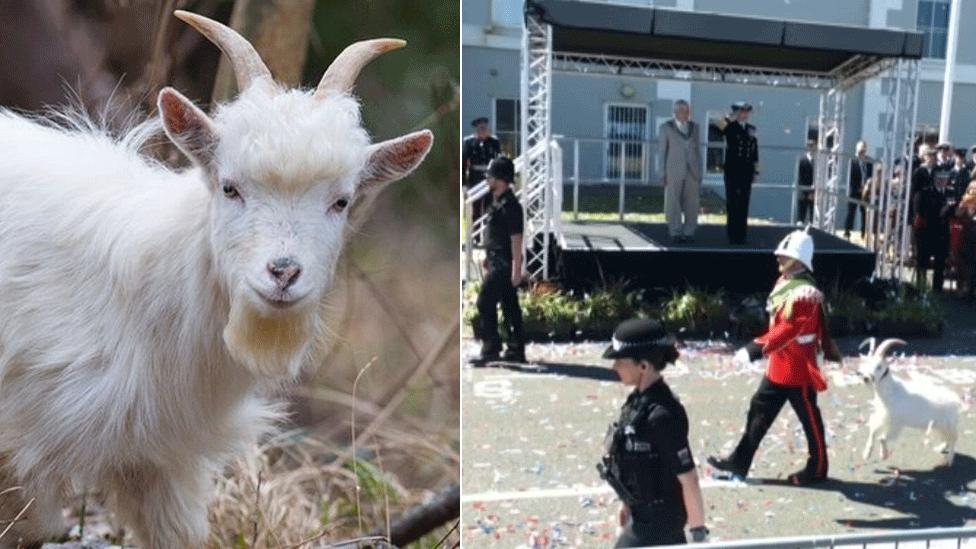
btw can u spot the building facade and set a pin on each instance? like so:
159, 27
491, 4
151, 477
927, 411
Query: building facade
607, 126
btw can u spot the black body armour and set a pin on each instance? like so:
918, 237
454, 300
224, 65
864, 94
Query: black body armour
642, 461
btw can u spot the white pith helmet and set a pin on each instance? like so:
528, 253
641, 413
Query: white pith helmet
799, 246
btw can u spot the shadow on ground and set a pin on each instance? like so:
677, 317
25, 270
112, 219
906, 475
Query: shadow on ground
922, 495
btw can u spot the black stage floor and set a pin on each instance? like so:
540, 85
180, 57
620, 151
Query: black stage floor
591, 253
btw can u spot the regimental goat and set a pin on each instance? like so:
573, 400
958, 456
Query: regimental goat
146, 312
914, 404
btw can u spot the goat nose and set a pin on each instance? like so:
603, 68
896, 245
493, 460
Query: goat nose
284, 271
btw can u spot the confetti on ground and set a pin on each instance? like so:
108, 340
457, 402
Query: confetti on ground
535, 436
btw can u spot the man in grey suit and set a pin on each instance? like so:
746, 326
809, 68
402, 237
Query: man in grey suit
680, 159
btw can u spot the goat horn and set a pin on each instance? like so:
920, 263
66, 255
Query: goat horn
248, 66
341, 75
882, 349
870, 342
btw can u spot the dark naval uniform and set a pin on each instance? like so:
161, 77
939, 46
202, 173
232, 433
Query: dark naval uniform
934, 206
741, 167
647, 448
504, 221
476, 155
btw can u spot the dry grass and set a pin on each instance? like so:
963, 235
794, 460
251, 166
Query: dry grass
298, 492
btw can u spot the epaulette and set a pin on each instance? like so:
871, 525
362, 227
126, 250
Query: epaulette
807, 292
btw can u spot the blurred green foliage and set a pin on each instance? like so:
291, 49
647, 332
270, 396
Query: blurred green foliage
404, 90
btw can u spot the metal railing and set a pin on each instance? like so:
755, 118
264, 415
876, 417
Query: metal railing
550, 195
710, 179
952, 537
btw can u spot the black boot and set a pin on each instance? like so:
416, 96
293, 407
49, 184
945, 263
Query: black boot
484, 358
727, 465
514, 354
804, 477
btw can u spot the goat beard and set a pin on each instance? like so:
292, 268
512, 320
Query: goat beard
268, 346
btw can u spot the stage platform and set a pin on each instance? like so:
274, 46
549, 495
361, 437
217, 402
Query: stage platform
592, 252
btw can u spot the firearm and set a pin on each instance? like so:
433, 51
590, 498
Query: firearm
605, 469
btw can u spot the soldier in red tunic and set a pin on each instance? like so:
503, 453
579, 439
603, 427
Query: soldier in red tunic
796, 339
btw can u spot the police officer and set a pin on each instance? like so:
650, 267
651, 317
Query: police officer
797, 335
479, 149
648, 461
741, 167
503, 264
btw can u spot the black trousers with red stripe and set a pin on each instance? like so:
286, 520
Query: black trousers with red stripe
763, 409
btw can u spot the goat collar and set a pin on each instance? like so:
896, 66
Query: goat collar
885, 374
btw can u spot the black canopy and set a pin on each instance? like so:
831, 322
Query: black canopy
734, 40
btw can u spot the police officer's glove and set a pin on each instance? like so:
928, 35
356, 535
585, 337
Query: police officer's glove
699, 534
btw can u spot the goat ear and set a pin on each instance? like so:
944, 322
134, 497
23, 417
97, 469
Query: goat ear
188, 127
394, 159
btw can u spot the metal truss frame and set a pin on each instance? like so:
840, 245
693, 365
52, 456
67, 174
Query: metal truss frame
830, 158
536, 191
888, 234
615, 65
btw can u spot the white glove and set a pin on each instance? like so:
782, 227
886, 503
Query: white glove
741, 358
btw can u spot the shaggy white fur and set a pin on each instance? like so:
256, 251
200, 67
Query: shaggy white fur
141, 320
899, 404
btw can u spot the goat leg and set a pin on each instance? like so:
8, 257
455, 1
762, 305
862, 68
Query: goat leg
165, 509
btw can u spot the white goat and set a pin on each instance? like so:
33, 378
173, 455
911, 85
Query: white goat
145, 313
899, 404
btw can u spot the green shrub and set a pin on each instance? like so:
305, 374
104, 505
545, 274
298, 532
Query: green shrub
695, 311
749, 318
848, 314
909, 314
601, 311
550, 315
469, 309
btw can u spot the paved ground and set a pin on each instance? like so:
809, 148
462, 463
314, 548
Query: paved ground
532, 438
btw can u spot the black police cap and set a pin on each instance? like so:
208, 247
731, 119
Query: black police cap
479, 120
636, 338
501, 168
741, 106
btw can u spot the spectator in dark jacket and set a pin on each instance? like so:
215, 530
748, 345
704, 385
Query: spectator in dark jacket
934, 205
861, 169
804, 180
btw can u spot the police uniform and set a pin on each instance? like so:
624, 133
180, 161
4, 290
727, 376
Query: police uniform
647, 448
796, 337
504, 221
740, 169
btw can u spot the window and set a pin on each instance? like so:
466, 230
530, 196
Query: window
715, 152
626, 132
933, 22
507, 120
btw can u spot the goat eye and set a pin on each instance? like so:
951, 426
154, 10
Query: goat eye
230, 191
340, 205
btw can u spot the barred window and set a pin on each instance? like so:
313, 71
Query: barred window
625, 129
507, 120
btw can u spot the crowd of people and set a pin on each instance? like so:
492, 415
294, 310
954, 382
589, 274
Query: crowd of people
941, 208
